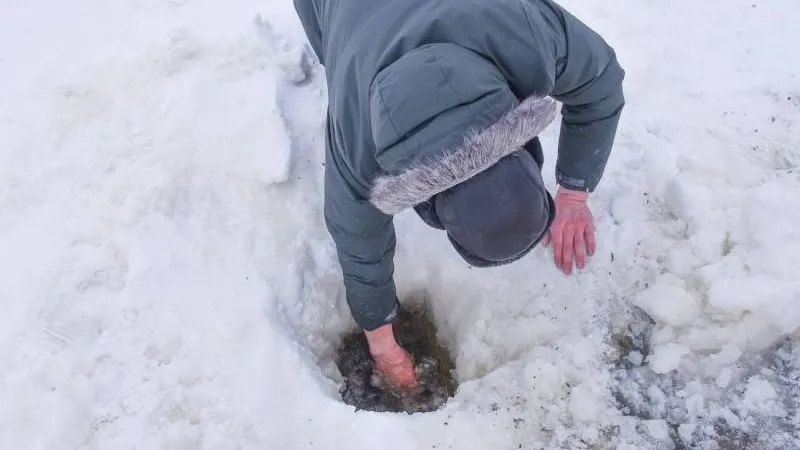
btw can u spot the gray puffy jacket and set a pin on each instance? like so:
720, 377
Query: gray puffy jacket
376, 132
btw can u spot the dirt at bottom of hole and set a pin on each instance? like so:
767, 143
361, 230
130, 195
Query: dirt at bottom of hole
416, 333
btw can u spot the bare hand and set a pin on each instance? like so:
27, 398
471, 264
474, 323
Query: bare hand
392, 362
572, 232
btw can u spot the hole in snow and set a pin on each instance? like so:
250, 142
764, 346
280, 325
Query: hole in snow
416, 332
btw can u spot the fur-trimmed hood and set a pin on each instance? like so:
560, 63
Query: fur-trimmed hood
441, 115
480, 150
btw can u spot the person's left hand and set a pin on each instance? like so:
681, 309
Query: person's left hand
572, 231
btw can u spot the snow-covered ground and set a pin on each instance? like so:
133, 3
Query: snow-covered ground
166, 280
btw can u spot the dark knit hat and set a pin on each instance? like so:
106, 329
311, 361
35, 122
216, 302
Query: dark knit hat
498, 216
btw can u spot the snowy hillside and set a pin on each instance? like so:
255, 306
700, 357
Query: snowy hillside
166, 281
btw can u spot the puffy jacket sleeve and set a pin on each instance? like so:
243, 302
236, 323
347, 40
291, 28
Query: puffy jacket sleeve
544, 50
365, 243
310, 22
590, 88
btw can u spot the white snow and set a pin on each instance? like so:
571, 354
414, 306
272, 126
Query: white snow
669, 301
724, 378
668, 357
759, 392
636, 358
167, 281
658, 429
686, 430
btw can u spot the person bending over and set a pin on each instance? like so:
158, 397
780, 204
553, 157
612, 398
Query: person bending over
436, 105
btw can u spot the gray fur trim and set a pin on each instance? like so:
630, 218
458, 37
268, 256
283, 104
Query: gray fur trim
393, 193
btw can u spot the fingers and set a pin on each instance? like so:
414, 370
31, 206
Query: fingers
558, 244
567, 249
580, 248
591, 243
572, 237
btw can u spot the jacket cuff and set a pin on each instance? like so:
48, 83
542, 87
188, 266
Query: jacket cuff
572, 183
376, 319
371, 306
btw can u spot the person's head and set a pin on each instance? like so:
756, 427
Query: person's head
455, 143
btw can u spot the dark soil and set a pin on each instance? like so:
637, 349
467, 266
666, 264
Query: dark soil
416, 333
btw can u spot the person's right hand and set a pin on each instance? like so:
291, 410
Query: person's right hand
572, 232
392, 362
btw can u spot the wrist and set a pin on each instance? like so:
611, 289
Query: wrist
572, 194
381, 340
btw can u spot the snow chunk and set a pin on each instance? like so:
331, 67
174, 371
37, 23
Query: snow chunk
729, 354
544, 377
695, 405
677, 194
686, 430
764, 206
656, 395
759, 391
585, 403
635, 358
724, 378
668, 301
658, 429
681, 260
667, 358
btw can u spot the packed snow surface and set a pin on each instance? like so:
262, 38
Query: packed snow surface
167, 281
